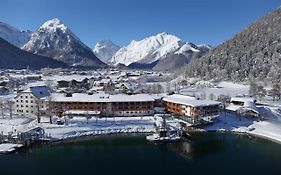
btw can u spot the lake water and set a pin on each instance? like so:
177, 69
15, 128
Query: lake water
210, 153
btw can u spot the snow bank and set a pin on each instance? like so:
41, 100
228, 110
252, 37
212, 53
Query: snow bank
269, 128
9, 147
79, 126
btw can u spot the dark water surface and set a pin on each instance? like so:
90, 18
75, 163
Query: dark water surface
209, 153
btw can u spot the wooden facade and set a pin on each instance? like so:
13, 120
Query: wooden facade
136, 108
190, 109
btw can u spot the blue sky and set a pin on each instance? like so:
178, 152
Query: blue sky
197, 21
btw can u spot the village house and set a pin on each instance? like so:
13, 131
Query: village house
190, 109
32, 101
244, 106
103, 104
128, 88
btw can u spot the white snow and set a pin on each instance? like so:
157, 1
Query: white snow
8, 147
269, 128
154, 47
82, 97
14, 36
222, 88
79, 126
190, 101
105, 50
53, 24
186, 47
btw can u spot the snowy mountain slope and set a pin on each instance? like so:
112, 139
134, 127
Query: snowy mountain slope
12, 57
55, 40
160, 52
253, 53
105, 50
149, 49
14, 36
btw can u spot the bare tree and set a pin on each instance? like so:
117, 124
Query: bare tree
211, 96
253, 89
38, 113
50, 108
10, 104
2, 107
159, 88
275, 91
261, 92
168, 87
203, 96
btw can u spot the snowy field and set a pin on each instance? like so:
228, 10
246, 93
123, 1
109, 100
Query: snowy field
222, 88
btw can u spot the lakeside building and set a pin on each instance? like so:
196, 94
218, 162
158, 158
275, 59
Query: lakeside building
244, 106
103, 104
32, 101
190, 109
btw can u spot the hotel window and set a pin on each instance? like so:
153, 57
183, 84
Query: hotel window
31, 101
20, 96
26, 101
26, 96
21, 101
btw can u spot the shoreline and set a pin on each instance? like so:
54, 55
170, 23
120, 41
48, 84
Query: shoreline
89, 136
94, 136
257, 135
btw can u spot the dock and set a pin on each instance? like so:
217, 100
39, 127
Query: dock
9, 147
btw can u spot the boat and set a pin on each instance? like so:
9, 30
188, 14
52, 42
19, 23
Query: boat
163, 134
158, 138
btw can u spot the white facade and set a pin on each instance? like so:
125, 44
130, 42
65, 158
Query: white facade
26, 103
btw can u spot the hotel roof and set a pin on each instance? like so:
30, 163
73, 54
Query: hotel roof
189, 101
82, 97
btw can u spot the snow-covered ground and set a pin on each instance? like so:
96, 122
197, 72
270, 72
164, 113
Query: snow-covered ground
270, 128
16, 124
9, 147
80, 126
222, 88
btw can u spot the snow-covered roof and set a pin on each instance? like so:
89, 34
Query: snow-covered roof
248, 106
243, 99
38, 91
82, 97
189, 101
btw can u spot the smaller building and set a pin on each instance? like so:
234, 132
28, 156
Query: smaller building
190, 109
243, 106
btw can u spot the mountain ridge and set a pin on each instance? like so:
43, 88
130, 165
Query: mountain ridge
55, 40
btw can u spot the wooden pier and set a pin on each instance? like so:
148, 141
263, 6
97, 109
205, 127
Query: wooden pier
13, 141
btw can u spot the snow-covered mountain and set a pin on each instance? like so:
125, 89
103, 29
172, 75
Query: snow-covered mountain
12, 57
147, 50
105, 50
55, 40
250, 55
14, 36
160, 52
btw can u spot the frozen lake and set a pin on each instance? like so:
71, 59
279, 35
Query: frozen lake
206, 153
